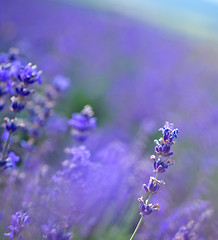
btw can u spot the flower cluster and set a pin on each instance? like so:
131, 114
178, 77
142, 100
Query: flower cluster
82, 123
161, 163
19, 221
16, 83
18, 92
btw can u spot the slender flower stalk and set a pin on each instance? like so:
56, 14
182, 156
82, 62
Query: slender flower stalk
161, 163
6, 147
137, 227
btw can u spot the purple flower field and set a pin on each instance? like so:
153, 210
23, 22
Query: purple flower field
108, 127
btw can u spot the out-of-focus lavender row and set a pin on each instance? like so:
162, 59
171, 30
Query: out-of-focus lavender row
135, 77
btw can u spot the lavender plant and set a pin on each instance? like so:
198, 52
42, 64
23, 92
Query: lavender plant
16, 83
161, 164
106, 173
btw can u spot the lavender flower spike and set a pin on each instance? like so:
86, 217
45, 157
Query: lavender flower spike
82, 123
18, 222
161, 164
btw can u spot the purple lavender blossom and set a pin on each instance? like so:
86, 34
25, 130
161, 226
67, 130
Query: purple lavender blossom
146, 208
82, 123
164, 144
131, 45
17, 104
22, 91
10, 125
19, 221
163, 148
29, 74
153, 185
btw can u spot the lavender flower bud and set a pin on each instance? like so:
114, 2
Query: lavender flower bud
10, 125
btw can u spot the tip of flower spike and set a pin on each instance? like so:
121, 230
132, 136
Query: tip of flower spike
87, 110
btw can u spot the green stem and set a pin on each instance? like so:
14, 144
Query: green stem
5, 148
140, 220
137, 227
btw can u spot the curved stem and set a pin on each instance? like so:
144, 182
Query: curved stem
6, 147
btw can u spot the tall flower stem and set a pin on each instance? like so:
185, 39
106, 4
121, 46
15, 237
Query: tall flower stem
6, 147
140, 220
137, 227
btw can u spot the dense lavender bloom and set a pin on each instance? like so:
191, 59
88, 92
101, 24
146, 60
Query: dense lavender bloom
19, 221
29, 74
163, 148
164, 144
82, 123
169, 133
